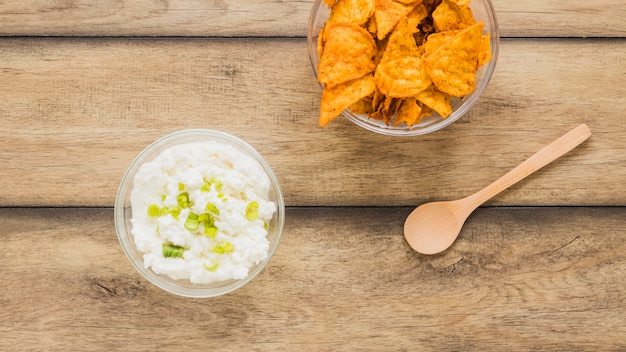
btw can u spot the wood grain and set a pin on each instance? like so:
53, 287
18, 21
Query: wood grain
75, 112
257, 18
342, 279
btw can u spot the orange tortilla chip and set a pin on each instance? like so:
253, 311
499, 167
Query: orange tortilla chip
449, 16
484, 55
408, 112
342, 96
363, 106
401, 72
348, 54
416, 16
388, 13
452, 67
351, 11
435, 40
436, 100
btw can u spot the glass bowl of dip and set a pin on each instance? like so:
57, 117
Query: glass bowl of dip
199, 213
482, 10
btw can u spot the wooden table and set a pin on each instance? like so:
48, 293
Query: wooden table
86, 85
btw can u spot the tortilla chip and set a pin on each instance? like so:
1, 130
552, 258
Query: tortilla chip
452, 67
436, 100
435, 40
388, 13
348, 54
351, 11
408, 112
416, 16
401, 72
461, 3
484, 55
448, 16
363, 106
340, 97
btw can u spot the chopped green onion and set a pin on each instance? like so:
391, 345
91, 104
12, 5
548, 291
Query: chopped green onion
175, 211
210, 231
172, 251
181, 186
183, 200
224, 247
154, 211
210, 207
191, 223
211, 267
163, 197
228, 247
252, 211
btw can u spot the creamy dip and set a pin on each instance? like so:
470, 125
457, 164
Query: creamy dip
200, 212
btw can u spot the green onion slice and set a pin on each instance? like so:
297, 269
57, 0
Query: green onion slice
211, 267
183, 200
211, 208
192, 222
154, 211
172, 250
252, 211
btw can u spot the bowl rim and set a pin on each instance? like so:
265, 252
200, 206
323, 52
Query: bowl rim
122, 208
463, 108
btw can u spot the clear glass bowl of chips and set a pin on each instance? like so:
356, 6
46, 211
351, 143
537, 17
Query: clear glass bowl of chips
482, 11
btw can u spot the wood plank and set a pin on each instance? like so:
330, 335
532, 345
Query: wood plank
262, 18
75, 112
549, 279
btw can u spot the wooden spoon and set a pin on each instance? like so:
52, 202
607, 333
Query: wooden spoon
433, 227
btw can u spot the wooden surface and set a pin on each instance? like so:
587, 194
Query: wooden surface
85, 86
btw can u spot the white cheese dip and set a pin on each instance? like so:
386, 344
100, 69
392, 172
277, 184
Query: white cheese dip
200, 212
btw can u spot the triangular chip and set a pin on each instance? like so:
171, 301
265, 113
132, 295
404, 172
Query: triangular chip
452, 67
351, 11
388, 13
342, 96
435, 40
438, 101
484, 56
408, 112
415, 17
449, 16
348, 54
401, 72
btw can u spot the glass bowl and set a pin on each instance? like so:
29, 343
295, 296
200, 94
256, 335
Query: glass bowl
483, 11
123, 214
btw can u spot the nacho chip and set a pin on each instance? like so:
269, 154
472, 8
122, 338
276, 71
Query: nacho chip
348, 54
401, 72
340, 97
351, 11
416, 16
363, 106
408, 112
484, 55
435, 40
461, 3
452, 67
436, 100
388, 13
448, 16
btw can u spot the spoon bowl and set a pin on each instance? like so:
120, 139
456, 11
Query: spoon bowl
432, 227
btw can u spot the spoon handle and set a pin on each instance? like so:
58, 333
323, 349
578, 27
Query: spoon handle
548, 154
